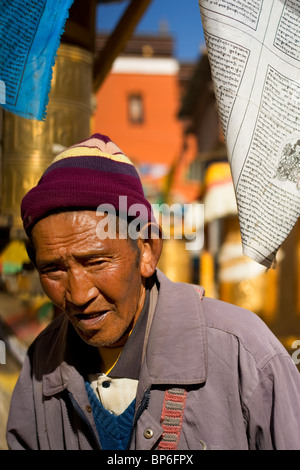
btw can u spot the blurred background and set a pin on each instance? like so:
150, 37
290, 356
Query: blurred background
137, 71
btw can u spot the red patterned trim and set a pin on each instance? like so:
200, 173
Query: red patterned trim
172, 416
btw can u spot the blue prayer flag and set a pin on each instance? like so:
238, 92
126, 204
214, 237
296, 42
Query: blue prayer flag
30, 32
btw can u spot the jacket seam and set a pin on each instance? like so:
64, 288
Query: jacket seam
264, 361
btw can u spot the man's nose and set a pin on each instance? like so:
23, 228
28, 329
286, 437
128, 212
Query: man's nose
80, 289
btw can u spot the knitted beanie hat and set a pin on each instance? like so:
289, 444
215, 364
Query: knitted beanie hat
84, 176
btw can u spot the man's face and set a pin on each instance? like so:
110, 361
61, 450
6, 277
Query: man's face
97, 283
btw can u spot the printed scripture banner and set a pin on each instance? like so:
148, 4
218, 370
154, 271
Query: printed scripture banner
30, 32
254, 51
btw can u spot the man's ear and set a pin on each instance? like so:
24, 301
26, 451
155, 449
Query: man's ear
151, 247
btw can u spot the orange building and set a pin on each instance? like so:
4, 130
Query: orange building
137, 106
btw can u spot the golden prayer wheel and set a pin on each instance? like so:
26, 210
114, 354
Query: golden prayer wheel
244, 282
175, 261
30, 145
207, 274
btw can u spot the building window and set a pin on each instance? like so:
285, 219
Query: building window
135, 109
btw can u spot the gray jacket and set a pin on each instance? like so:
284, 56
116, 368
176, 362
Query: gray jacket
243, 387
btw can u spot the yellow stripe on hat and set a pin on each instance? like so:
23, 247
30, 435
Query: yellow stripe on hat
82, 151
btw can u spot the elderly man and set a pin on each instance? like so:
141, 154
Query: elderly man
136, 361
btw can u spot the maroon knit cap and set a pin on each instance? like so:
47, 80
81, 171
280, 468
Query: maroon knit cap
84, 176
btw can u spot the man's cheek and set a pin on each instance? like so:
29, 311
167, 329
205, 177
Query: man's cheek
54, 291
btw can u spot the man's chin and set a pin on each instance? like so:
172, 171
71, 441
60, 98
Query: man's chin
99, 342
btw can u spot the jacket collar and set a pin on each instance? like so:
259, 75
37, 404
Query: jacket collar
177, 346
68, 360
176, 351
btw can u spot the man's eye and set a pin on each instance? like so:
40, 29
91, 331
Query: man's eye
95, 262
50, 270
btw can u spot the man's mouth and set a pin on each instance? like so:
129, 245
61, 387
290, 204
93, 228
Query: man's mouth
89, 316
90, 322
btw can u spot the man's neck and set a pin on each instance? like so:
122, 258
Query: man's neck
110, 354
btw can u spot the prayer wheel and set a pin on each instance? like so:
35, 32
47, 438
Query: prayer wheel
244, 282
29, 145
175, 261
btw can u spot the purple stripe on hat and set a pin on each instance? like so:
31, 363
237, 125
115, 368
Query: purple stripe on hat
94, 163
89, 180
101, 137
81, 188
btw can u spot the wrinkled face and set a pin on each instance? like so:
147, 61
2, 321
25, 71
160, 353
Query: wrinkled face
97, 283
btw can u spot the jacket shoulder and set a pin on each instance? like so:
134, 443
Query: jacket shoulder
246, 326
49, 332
49, 347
